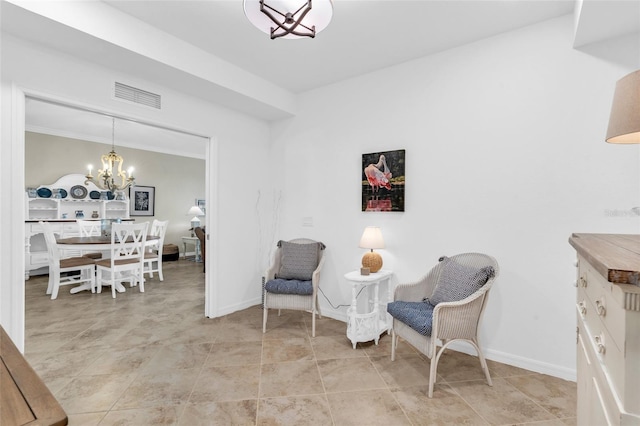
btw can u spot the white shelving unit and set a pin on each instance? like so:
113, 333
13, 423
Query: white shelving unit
61, 212
39, 208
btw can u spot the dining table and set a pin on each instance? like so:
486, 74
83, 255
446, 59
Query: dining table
101, 243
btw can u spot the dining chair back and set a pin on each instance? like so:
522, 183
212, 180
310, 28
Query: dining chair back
127, 255
153, 252
89, 228
59, 265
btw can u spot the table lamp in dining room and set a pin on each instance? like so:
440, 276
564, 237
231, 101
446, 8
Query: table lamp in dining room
195, 211
371, 239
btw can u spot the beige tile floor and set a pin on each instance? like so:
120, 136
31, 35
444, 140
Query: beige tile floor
153, 359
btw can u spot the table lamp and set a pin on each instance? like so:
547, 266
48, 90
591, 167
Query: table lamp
372, 239
195, 211
624, 121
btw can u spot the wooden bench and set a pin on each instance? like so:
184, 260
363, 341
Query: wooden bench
24, 399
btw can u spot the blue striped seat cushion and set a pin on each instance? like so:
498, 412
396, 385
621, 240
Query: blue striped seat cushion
417, 315
282, 286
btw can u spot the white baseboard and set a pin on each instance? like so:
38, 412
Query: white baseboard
493, 355
226, 310
519, 361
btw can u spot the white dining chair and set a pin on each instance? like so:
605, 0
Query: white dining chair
127, 255
59, 265
90, 228
153, 252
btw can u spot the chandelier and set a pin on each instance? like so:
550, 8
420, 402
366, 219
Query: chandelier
289, 18
107, 175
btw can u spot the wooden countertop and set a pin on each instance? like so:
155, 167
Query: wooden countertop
24, 399
614, 256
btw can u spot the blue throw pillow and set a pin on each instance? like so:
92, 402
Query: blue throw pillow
282, 286
417, 315
458, 281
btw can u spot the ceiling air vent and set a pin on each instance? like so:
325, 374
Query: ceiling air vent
138, 96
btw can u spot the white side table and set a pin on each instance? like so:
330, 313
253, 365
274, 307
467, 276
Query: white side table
370, 324
196, 245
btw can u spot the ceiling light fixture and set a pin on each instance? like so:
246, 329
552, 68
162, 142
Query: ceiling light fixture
106, 178
289, 18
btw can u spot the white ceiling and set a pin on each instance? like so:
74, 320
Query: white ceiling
363, 36
260, 76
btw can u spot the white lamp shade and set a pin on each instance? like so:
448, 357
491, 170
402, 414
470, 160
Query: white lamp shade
372, 238
319, 15
195, 211
624, 121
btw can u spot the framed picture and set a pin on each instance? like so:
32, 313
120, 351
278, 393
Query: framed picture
202, 204
142, 200
382, 181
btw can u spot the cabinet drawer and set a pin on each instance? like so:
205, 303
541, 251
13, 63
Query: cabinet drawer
596, 404
600, 400
39, 258
36, 228
606, 353
599, 292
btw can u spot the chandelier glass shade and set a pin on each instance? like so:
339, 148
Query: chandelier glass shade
111, 176
289, 18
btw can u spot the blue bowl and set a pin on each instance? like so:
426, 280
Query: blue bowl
44, 192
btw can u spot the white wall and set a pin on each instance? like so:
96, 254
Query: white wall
505, 154
240, 143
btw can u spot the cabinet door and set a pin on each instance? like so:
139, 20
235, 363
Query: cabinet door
591, 408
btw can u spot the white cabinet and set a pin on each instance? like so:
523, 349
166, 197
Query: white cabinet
57, 209
115, 209
62, 214
608, 319
78, 197
36, 259
42, 209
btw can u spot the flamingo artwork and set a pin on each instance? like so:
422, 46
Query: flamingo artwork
378, 193
378, 175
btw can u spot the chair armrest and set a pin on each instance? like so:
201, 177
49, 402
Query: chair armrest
270, 273
315, 276
415, 291
459, 319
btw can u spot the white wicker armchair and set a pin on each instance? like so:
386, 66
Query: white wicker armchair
451, 321
298, 302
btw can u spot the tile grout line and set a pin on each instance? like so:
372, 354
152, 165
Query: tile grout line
315, 358
389, 388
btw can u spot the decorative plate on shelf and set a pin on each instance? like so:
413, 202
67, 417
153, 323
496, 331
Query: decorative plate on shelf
78, 191
62, 192
44, 192
94, 195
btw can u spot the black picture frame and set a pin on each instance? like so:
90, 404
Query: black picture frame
142, 200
